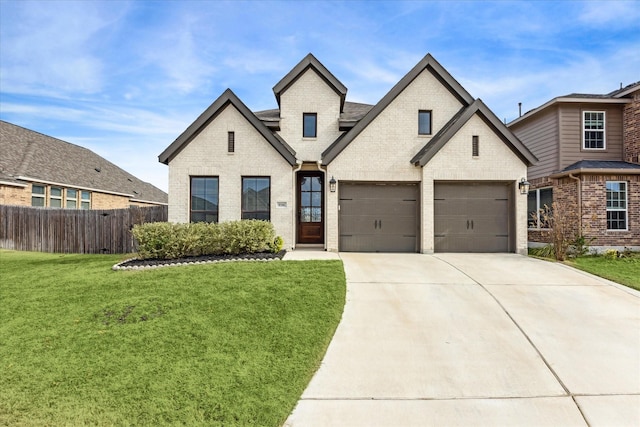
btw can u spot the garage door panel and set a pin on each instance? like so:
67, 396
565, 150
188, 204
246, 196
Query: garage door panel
471, 217
378, 217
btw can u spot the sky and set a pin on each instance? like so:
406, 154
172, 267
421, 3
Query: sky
126, 78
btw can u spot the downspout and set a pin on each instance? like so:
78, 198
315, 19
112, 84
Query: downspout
579, 182
294, 208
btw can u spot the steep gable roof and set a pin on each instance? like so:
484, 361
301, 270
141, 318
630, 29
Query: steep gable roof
307, 62
227, 98
455, 124
428, 63
31, 156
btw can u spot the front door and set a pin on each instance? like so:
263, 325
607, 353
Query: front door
310, 207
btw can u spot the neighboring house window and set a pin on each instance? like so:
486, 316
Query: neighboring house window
38, 195
85, 200
475, 145
55, 197
616, 205
424, 122
593, 126
231, 142
309, 125
256, 199
204, 199
72, 199
536, 202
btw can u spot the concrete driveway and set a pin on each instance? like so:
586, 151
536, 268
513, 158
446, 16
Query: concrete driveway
477, 339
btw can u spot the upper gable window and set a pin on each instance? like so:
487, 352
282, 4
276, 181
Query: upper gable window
593, 130
309, 125
424, 122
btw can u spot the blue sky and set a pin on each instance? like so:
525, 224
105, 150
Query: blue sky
125, 78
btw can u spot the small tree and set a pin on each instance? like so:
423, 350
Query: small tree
561, 223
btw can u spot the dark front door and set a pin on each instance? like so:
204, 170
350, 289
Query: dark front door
310, 207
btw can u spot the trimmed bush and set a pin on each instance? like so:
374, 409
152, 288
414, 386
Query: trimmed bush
163, 240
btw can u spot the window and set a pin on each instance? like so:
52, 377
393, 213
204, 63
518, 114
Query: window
475, 145
536, 202
593, 124
256, 198
204, 199
309, 125
55, 197
72, 199
424, 122
37, 195
85, 200
616, 205
231, 142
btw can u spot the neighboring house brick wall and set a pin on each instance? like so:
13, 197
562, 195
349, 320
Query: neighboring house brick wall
108, 201
594, 214
309, 94
18, 196
206, 155
631, 124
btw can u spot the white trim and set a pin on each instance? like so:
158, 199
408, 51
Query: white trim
604, 130
13, 184
42, 181
149, 201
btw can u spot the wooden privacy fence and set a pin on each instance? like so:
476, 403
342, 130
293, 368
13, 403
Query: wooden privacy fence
73, 231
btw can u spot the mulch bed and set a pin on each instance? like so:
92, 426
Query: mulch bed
138, 264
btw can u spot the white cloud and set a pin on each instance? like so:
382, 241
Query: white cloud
606, 13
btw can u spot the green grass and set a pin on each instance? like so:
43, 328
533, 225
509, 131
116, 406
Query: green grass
625, 271
219, 344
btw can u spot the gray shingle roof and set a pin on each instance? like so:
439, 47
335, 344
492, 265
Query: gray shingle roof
601, 164
26, 153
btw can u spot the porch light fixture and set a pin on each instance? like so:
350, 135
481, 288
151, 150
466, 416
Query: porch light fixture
524, 185
332, 184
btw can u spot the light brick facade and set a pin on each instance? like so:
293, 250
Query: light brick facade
381, 151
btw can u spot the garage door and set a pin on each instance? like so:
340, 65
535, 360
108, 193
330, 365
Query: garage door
472, 217
378, 217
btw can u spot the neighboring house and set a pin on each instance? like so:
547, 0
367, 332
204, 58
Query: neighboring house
428, 168
38, 170
588, 148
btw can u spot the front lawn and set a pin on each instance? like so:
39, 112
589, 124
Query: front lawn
218, 344
622, 270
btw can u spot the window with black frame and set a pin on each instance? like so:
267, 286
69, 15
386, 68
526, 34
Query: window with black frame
256, 197
204, 199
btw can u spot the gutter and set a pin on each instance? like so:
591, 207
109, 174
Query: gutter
13, 184
294, 208
595, 172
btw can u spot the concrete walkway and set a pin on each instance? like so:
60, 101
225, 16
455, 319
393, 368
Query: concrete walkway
477, 339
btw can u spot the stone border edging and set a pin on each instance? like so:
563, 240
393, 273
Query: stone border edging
119, 266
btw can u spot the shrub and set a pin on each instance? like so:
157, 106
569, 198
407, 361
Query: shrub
611, 254
164, 240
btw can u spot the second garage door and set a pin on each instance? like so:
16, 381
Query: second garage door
472, 217
381, 217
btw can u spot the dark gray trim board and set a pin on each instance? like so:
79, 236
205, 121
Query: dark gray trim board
227, 98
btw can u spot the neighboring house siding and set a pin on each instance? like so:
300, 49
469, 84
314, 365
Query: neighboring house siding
454, 162
309, 94
541, 135
631, 136
571, 130
207, 155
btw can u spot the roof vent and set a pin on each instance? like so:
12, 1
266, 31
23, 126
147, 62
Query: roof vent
129, 179
97, 169
135, 192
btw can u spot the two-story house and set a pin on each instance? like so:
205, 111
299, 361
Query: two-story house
428, 168
41, 171
588, 148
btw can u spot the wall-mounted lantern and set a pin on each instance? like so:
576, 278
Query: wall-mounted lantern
332, 185
524, 185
